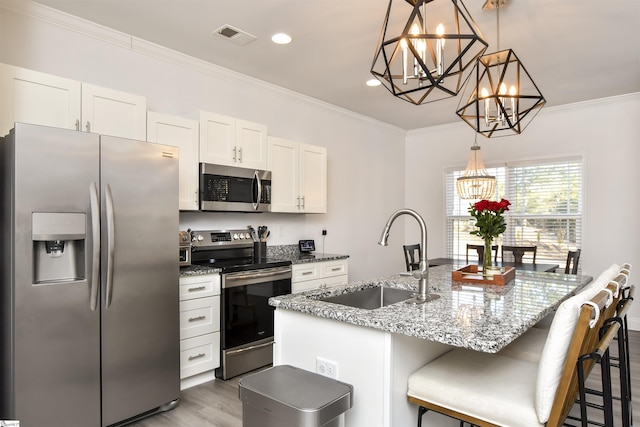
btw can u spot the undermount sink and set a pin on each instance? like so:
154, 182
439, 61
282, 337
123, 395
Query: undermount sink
372, 298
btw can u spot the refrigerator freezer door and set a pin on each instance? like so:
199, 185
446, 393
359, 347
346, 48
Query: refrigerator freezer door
55, 351
140, 326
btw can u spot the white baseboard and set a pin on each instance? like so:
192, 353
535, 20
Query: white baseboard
195, 380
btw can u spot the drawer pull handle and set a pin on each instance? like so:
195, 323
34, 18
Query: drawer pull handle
195, 319
336, 269
198, 288
197, 356
306, 273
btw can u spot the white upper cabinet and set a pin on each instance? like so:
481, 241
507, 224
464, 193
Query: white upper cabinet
182, 133
298, 176
32, 97
313, 178
112, 112
229, 141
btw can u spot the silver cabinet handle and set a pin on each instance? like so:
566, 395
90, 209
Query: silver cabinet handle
298, 204
197, 356
197, 288
77, 124
110, 245
306, 273
336, 269
302, 202
95, 249
240, 154
234, 154
195, 319
88, 126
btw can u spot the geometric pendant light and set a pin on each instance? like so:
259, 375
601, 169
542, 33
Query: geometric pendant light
475, 182
426, 49
500, 98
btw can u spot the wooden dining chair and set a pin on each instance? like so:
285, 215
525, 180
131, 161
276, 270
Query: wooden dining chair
516, 253
573, 257
480, 251
412, 254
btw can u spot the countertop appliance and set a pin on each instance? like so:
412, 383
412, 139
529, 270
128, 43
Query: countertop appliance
229, 188
248, 282
89, 303
184, 248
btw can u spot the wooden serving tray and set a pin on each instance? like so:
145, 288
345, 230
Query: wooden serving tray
470, 274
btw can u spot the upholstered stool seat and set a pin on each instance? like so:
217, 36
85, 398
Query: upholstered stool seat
458, 380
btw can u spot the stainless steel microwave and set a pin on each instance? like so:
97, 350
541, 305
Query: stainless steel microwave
233, 189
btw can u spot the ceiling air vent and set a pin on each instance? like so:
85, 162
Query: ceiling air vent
235, 35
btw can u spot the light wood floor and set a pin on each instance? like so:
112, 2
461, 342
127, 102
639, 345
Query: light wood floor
216, 403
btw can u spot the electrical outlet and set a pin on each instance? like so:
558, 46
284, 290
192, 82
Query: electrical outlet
327, 368
324, 231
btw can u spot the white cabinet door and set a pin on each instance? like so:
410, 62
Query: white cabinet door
32, 97
112, 112
217, 139
182, 133
313, 178
283, 164
233, 142
298, 176
251, 144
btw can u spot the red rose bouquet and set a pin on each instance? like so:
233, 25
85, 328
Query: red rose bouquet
489, 223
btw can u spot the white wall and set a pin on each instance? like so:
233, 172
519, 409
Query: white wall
359, 149
605, 132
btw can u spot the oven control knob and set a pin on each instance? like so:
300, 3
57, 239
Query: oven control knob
199, 238
246, 235
235, 237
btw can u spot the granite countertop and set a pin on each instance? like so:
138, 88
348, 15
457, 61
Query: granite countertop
285, 253
478, 317
198, 270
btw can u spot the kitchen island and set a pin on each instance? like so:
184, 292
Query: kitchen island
376, 350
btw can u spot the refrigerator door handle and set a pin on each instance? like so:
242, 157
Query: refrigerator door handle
95, 252
110, 245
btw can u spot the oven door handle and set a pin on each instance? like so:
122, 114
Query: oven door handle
247, 278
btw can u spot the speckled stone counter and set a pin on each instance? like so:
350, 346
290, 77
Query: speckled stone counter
198, 270
479, 317
292, 253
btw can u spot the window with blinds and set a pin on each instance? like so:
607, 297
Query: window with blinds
545, 211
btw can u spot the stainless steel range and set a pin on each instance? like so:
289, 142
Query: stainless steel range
247, 284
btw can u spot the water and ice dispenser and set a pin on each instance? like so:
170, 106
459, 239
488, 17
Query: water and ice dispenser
59, 240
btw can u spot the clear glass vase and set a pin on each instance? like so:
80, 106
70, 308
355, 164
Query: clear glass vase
486, 259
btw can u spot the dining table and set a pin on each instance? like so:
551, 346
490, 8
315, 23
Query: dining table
524, 266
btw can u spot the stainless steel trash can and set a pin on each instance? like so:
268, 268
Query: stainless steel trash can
288, 396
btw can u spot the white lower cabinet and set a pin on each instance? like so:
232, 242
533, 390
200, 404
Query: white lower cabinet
316, 275
199, 329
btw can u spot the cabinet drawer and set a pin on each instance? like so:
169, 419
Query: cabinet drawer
199, 286
199, 354
335, 268
199, 316
309, 271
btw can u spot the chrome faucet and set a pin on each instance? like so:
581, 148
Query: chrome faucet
423, 273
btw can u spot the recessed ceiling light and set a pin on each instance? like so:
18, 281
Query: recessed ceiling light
373, 82
281, 38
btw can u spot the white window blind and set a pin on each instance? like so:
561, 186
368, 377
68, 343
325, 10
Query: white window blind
545, 211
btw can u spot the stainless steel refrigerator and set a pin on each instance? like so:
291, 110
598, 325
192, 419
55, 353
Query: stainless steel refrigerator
89, 282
